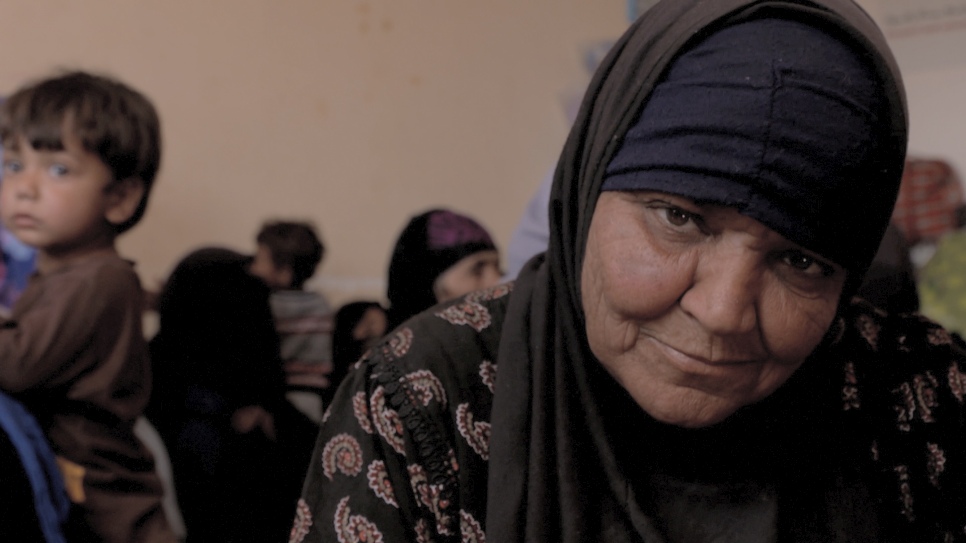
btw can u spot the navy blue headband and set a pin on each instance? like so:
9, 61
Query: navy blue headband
777, 118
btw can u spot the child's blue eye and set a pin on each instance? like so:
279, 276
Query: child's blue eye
58, 170
11, 166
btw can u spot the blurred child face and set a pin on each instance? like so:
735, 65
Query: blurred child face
264, 268
62, 202
476, 271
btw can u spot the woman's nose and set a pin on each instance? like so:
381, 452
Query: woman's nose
491, 276
725, 292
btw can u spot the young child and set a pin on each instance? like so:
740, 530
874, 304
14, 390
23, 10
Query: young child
286, 257
80, 156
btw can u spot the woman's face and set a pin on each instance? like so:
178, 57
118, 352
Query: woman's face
698, 310
478, 270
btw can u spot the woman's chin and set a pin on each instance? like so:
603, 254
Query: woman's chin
690, 412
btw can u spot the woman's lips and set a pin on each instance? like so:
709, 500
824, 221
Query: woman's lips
690, 361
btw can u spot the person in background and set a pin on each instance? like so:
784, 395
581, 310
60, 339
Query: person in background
532, 233
287, 255
81, 153
358, 325
16, 265
234, 440
687, 362
439, 255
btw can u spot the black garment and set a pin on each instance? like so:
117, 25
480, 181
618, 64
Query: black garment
849, 450
556, 475
890, 283
18, 515
346, 349
217, 351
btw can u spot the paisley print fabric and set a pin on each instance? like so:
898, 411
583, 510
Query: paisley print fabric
400, 460
404, 452
303, 520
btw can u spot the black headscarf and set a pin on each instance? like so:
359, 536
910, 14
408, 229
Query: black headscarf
555, 471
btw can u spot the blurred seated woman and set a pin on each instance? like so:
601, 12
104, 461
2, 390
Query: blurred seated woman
357, 327
238, 447
440, 255
687, 362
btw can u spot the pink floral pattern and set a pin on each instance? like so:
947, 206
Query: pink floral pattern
379, 482
938, 336
343, 454
470, 529
354, 528
869, 330
387, 421
936, 463
422, 532
906, 409
426, 387
918, 399
492, 293
467, 313
477, 434
303, 521
398, 345
429, 496
361, 411
957, 382
905, 492
850, 393
488, 374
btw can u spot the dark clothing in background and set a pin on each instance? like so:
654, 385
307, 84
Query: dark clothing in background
890, 283
217, 351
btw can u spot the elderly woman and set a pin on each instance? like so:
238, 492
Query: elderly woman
687, 362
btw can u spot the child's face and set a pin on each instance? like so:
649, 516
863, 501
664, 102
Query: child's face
58, 201
264, 267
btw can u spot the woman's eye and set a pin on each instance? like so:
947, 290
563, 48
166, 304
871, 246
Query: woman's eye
810, 265
678, 216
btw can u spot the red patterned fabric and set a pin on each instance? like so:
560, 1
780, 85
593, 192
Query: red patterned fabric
929, 198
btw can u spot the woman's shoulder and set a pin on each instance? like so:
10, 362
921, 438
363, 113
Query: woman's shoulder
903, 392
892, 352
450, 337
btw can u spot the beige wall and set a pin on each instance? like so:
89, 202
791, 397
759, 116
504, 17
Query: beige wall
353, 114
357, 114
